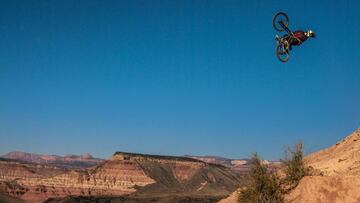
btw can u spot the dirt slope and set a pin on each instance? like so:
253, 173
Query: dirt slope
343, 158
337, 179
340, 182
327, 189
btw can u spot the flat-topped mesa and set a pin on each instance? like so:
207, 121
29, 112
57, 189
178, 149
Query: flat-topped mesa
183, 168
121, 156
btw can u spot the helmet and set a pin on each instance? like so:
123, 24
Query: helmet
310, 33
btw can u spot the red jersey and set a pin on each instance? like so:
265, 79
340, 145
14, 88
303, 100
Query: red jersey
300, 35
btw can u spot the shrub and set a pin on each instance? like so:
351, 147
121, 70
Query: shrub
294, 166
263, 186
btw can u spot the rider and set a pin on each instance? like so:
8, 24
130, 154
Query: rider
298, 37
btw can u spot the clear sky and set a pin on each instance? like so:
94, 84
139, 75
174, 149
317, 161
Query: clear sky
175, 77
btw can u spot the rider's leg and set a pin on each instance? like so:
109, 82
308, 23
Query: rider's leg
286, 38
293, 41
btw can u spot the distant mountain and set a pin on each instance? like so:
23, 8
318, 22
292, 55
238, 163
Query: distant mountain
125, 177
68, 161
238, 165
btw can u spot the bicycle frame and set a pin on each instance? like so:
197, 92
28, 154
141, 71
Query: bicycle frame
286, 28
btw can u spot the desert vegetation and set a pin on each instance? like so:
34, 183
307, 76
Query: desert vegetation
294, 167
262, 185
269, 186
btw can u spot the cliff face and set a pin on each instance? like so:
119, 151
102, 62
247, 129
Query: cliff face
10, 170
42, 181
123, 173
15, 176
181, 168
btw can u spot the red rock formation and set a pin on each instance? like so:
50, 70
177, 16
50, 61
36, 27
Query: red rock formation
182, 168
43, 181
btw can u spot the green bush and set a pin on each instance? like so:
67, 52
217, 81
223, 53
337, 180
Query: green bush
294, 166
263, 186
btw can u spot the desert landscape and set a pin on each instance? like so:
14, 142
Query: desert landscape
142, 176
179, 101
132, 177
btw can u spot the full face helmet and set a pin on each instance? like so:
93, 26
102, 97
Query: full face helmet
310, 33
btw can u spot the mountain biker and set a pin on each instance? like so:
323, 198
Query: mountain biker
298, 37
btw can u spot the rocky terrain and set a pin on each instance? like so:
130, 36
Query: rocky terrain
68, 161
139, 177
337, 177
130, 177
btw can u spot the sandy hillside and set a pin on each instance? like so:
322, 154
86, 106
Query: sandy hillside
343, 158
340, 182
327, 189
339, 179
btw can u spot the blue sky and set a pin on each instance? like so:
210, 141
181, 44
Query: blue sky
175, 77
